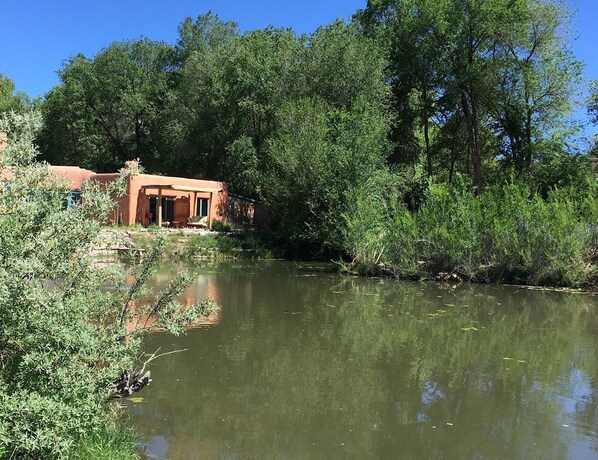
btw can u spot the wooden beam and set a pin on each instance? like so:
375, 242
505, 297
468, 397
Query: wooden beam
159, 207
210, 210
180, 188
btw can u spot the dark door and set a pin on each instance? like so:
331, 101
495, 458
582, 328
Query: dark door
153, 210
167, 210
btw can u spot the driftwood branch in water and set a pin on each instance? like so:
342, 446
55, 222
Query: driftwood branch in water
131, 382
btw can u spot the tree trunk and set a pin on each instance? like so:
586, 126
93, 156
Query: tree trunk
528, 140
477, 150
427, 131
138, 125
470, 110
453, 159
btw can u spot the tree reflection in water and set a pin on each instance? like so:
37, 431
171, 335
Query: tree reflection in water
313, 367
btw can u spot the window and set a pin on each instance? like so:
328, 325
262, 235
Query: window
203, 206
73, 198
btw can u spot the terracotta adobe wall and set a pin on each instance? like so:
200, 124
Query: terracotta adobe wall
184, 201
74, 175
245, 212
133, 207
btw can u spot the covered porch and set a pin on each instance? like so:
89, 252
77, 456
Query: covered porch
200, 204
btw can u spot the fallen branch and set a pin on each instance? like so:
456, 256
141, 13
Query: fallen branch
131, 382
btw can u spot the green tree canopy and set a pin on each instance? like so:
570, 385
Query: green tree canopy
500, 68
593, 110
9, 100
107, 110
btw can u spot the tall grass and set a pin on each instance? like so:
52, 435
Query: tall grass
108, 444
508, 234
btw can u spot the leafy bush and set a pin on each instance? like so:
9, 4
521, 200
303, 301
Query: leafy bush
379, 230
219, 226
448, 224
63, 338
508, 234
320, 154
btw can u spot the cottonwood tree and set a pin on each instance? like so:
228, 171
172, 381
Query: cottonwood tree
9, 100
107, 110
459, 33
538, 79
414, 70
499, 66
230, 88
593, 109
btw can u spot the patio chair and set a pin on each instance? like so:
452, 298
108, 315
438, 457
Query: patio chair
197, 222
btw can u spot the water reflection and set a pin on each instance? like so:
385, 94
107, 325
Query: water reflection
313, 367
201, 288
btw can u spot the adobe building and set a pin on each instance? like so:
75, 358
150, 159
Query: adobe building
169, 201
164, 200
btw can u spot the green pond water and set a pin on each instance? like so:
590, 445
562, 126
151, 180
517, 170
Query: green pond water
301, 363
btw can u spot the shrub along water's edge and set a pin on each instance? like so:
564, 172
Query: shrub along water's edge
64, 338
507, 235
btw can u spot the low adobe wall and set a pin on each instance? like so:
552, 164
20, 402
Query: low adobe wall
244, 212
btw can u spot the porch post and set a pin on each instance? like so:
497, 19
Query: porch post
160, 207
210, 210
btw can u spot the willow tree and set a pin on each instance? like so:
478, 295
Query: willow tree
329, 139
64, 338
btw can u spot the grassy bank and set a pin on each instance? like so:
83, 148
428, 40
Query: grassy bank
212, 245
116, 443
507, 235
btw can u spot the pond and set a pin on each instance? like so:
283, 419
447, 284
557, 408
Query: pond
302, 363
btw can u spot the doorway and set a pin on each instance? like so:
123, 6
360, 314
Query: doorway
167, 210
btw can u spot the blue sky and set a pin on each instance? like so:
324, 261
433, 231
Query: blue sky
37, 35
